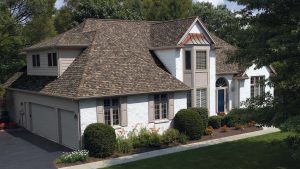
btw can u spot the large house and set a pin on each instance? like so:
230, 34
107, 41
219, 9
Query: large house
126, 73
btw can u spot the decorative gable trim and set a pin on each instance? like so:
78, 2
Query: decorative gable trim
197, 20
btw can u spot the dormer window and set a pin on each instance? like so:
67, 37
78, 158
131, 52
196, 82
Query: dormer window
201, 60
52, 59
36, 60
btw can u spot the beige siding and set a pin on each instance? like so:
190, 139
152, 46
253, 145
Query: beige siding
44, 69
66, 57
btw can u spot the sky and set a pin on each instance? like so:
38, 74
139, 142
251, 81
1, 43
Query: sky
230, 5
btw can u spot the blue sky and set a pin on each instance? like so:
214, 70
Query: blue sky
230, 5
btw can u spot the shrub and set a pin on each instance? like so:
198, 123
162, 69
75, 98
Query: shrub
99, 140
251, 123
189, 122
123, 145
229, 120
170, 136
2, 91
203, 112
221, 114
71, 157
182, 138
215, 121
209, 130
155, 139
224, 129
291, 124
145, 138
239, 127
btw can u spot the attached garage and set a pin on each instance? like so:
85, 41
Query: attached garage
50, 117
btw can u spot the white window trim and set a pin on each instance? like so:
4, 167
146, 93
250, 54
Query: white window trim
255, 85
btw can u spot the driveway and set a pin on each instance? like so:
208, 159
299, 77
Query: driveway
22, 149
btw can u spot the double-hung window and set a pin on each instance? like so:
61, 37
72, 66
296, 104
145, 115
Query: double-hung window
161, 106
201, 98
188, 60
201, 60
112, 111
52, 59
257, 86
36, 60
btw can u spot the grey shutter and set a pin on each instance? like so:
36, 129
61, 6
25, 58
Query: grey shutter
124, 116
151, 117
171, 106
100, 111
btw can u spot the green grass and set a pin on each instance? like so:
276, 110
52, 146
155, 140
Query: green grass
262, 152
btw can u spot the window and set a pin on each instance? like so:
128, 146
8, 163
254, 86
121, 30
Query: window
201, 98
161, 106
257, 86
112, 111
52, 59
201, 62
189, 99
188, 61
36, 60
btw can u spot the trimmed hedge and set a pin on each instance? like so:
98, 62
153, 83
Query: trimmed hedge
189, 122
203, 112
215, 121
99, 140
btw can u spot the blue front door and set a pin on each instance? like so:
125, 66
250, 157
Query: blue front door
221, 93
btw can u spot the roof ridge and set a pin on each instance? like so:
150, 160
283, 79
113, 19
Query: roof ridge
120, 20
180, 19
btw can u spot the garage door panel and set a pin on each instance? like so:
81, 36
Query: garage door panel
69, 129
45, 122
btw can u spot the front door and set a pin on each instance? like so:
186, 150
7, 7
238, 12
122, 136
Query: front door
221, 100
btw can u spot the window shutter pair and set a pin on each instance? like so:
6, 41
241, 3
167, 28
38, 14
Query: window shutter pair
151, 110
123, 109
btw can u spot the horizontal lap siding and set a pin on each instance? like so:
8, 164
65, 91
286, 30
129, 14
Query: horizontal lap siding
44, 69
66, 57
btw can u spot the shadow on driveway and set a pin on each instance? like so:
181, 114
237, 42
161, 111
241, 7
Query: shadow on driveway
22, 149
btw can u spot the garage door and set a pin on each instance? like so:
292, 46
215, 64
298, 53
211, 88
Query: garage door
69, 129
45, 122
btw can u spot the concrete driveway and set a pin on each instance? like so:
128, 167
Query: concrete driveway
22, 149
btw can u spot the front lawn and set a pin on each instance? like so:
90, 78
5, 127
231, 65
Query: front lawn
265, 152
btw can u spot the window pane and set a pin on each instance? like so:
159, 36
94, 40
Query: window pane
106, 102
157, 106
252, 91
189, 99
115, 102
33, 61
252, 80
107, 115
201, 60
38, 60
49, 59
116, 116
201, 98
164, 106
54, 59
188, 60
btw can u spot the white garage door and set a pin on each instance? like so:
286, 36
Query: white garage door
45, 122
69, 129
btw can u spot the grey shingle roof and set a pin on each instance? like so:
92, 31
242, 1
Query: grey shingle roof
117, 60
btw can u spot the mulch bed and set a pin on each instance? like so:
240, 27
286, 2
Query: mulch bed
216, 134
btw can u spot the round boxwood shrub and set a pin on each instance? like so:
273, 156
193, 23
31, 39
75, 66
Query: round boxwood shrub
189, 122
215, 121
99, 140
203, 112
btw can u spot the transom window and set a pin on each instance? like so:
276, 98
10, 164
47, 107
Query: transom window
161, 106
221, 82
201, 60
112, 111
52, 59
36, 60
257, 86
188, 60
201, 98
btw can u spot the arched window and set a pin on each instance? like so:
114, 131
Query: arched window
221, 82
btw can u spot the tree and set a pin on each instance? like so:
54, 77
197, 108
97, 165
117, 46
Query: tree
219, 20
272, 36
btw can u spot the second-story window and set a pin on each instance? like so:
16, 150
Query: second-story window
201, 60
188, 60
36, 60
52, 59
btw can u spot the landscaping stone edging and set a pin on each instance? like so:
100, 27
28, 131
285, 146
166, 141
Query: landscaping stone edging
155, 153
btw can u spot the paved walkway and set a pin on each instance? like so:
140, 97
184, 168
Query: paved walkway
141, 156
